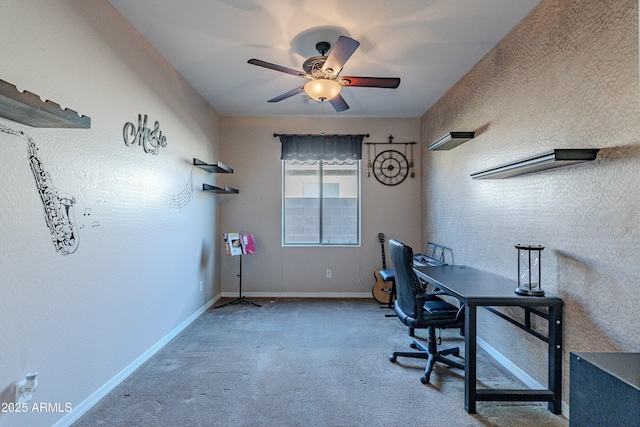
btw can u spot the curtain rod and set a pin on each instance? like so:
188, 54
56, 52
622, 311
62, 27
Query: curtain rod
387, 143
390, 142
275, 135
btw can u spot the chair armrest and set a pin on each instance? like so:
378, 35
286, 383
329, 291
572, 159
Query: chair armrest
425, 295
436, 293
420, 300
460, 314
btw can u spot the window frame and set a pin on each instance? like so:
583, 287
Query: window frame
320, 243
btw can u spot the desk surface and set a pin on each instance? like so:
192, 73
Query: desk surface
476, 286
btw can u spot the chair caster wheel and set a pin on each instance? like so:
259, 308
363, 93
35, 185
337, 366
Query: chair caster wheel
424, 380
413, 345
456, 352
392, 358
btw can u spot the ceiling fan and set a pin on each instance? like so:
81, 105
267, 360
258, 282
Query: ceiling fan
322, 72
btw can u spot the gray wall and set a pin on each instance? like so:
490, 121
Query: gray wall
145, 231
250, 148
565, 77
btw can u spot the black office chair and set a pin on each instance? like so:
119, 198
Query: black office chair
419, 309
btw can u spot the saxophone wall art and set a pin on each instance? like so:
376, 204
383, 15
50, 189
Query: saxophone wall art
58, 209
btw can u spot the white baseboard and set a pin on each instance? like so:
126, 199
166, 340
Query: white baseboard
299, 294
88, 403
515, 370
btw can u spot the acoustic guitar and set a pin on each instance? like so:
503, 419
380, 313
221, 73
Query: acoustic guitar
381, 290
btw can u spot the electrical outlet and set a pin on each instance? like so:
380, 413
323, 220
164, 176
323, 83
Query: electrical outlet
329, 272
22, 397
200, 284
24, 389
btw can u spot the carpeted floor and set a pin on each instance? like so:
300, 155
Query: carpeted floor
303, 362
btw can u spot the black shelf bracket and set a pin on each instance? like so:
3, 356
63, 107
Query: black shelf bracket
213, 168
214, 189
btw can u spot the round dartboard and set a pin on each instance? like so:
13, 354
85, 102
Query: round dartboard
390, 167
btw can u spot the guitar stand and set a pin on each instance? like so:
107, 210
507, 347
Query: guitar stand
389, 276
392, 294
240, 299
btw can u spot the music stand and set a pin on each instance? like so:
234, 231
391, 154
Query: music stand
239, 245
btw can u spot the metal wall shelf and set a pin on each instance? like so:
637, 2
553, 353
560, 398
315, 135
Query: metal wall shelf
217, 168
451, 140
214, 189
551, 159
27, 108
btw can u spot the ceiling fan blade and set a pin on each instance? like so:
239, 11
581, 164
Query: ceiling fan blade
276, 67
288, 94
383, 82
339, 104
340, 53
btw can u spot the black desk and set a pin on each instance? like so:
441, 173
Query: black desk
476, 288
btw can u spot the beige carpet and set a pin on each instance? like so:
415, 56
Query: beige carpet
303, 362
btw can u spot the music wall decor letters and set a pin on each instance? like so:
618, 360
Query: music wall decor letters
151, 140
58, 208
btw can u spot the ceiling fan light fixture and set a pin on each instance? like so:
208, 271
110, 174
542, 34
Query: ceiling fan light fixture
322, 89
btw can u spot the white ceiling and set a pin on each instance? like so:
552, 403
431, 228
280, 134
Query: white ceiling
429, 44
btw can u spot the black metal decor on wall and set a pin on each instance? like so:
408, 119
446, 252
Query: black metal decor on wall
58, 209
390, 167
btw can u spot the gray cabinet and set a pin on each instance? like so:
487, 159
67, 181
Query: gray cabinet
605, 389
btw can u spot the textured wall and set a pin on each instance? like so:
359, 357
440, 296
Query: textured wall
565, 77
277, 270
145, 233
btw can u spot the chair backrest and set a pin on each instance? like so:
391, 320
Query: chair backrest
407, 283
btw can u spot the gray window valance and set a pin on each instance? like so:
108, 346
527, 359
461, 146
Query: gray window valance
321, 147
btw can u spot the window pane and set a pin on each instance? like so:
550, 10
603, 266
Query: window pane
321, 203
301, 203
340, 204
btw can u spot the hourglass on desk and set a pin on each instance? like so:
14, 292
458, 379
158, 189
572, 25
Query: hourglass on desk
529, 270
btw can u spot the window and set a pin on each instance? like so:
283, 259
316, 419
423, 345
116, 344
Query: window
321, 202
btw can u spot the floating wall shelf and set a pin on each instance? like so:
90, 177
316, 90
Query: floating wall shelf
550, 159
214, 189
27, 108
217, 168
451, 140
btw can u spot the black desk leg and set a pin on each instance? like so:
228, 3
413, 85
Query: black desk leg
470, 329
555, 358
